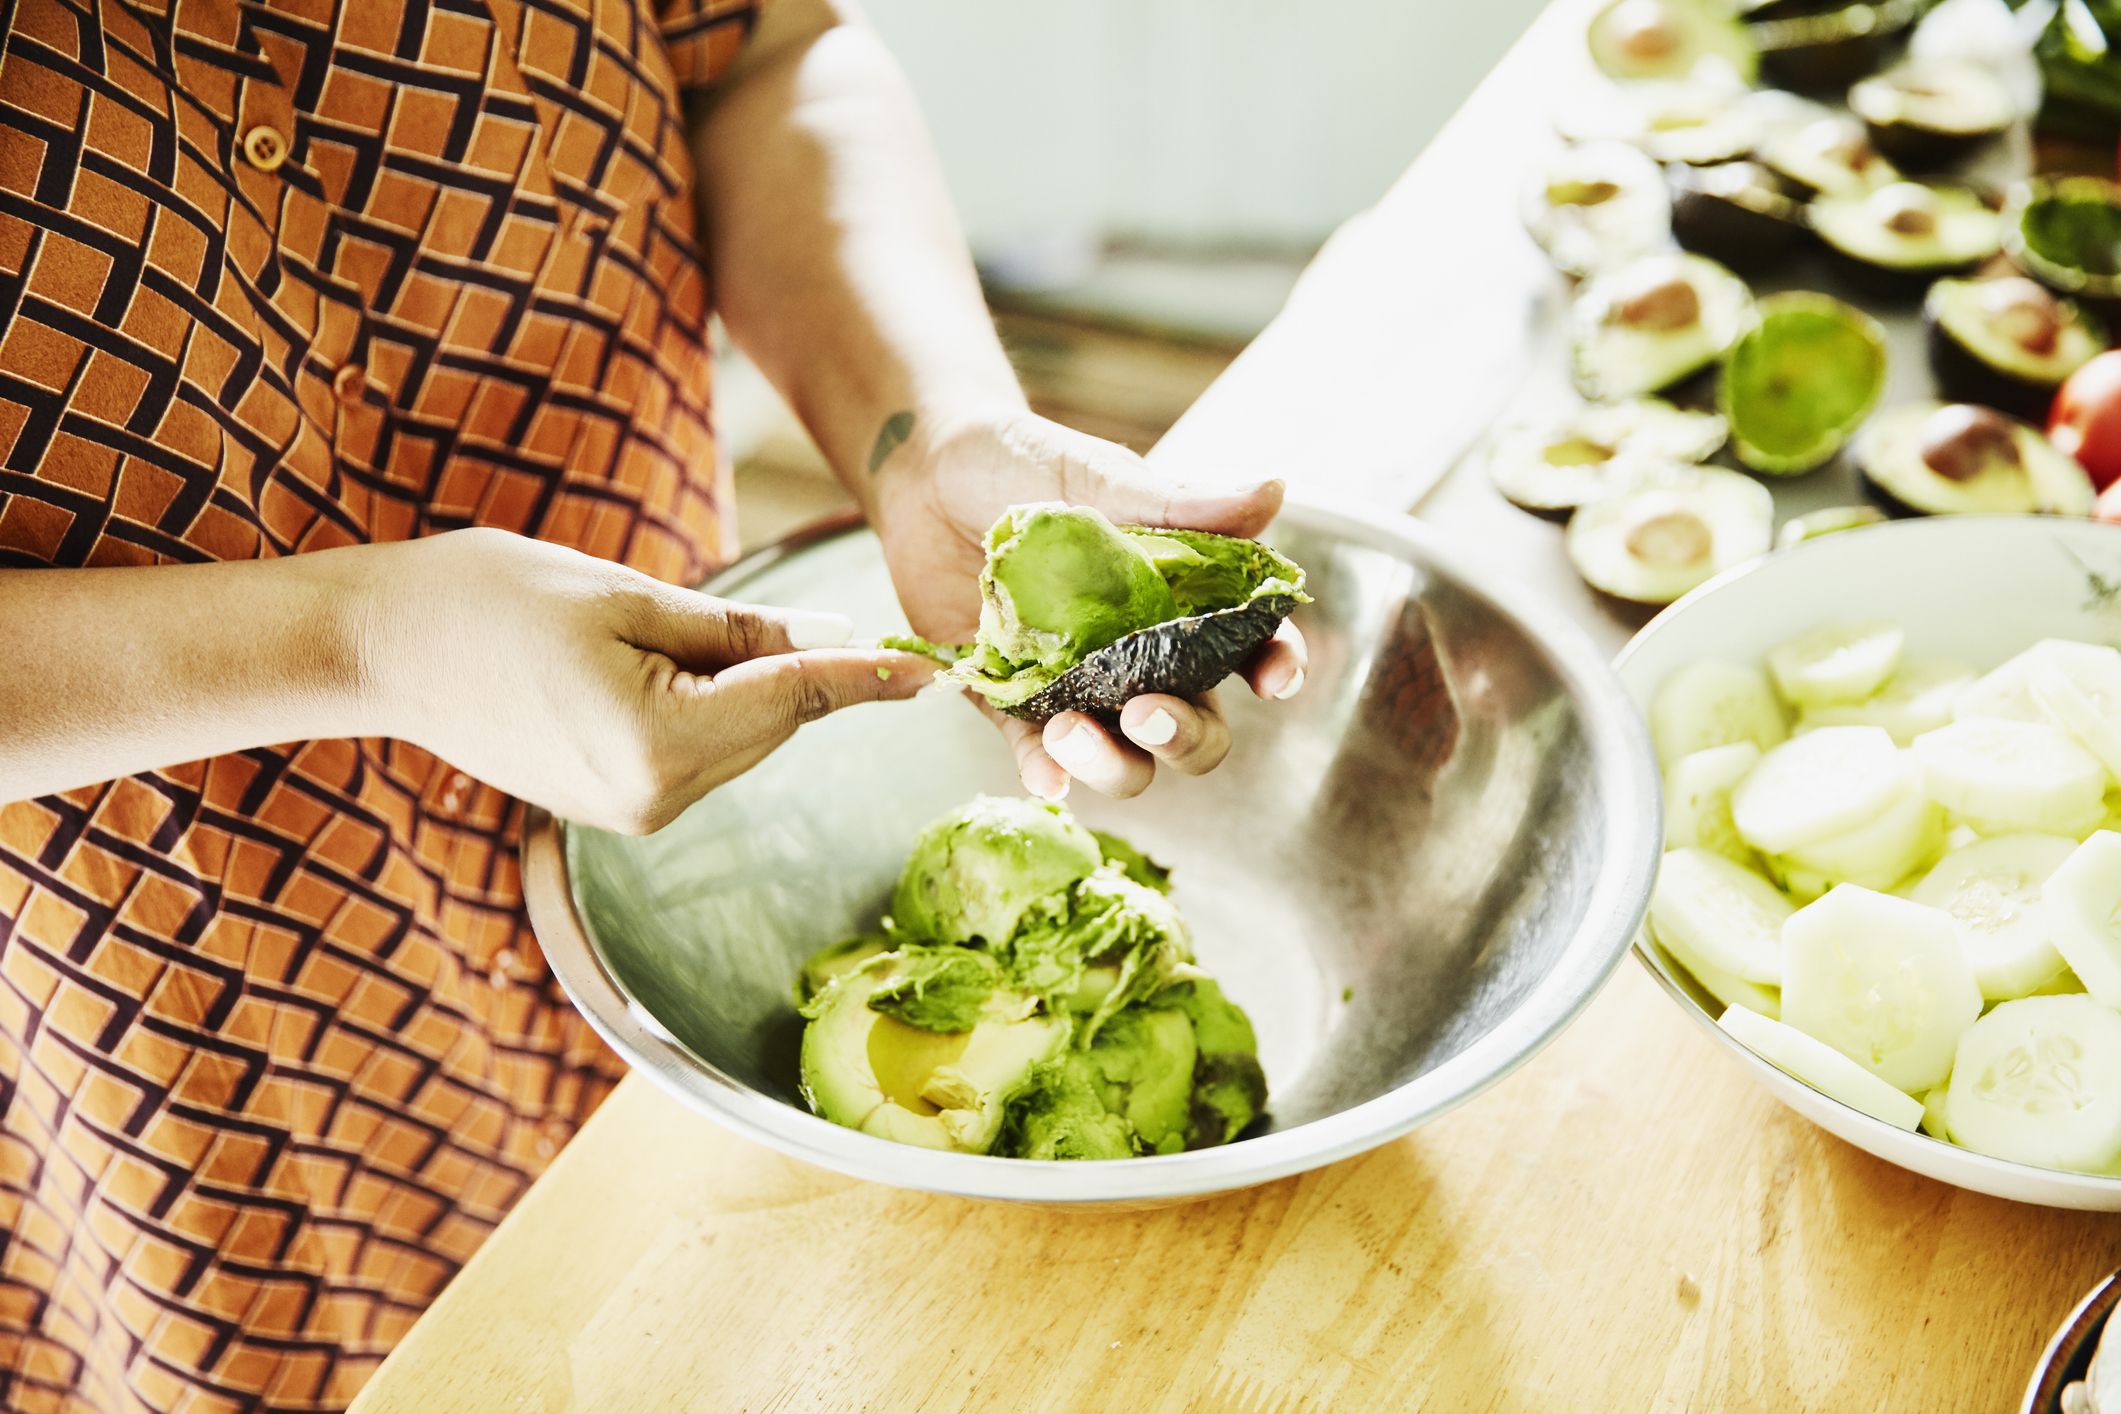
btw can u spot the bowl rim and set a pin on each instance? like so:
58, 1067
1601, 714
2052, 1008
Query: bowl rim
2087, 1321
2010, 1175
1619, 747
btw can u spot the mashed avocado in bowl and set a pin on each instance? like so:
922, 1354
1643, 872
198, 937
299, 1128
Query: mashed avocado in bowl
1032, 995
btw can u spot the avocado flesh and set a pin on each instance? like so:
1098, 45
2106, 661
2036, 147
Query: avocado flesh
1612, 358
2042, 480
1596, 204
1074, 1037
1667, 39
1062, 584
2067, 235
1675, 531
1827, 156
1976, 359
1961, 230
1556, 465
974, 873
1800, 381
828, 965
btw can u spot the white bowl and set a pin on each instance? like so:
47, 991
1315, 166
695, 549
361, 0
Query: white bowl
1975, 588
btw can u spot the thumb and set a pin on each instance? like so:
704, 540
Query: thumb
765, 699
1131, 492
700, 633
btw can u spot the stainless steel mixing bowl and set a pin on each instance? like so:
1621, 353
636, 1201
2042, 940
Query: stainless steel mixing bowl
1412, 876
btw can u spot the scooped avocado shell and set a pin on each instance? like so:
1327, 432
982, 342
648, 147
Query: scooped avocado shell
1078, 614
2065, 232
1800, 381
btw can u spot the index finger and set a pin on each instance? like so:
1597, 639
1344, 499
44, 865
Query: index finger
763, 700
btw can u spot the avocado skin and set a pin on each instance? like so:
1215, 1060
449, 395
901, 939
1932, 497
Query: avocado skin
1184, 657
1912, 148
1965, 377
1828, 51
1738, 236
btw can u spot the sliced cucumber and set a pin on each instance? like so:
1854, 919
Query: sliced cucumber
1837, 664
1697, 800
1822, 1067
2083, 904
2039, 1081
1992, 889
1916, 699
1935, 1121
1714, 703
1882, 981
1907, 836
1725, 987
1718, 916
1819, 785
2081, 690
2007, 690
2007, 777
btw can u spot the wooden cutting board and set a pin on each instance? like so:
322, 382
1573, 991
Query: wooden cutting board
1627, 1223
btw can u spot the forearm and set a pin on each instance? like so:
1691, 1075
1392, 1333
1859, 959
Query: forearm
104, 672
837, 260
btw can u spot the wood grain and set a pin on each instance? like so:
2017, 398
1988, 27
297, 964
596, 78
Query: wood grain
1627, 1223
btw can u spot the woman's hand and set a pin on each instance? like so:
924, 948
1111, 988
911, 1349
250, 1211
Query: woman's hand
599, 693
934, 503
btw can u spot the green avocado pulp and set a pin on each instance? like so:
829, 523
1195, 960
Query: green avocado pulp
1032, 995
1800, 381
1061, 582
2075, 229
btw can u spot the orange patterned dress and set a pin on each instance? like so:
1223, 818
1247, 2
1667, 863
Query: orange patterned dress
277, 1049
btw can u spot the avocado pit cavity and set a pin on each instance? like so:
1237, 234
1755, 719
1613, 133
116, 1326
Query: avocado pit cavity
1905, 209
1581, 193
1660, 308
2024, 313
1961, 441
1643, 32
1669, 534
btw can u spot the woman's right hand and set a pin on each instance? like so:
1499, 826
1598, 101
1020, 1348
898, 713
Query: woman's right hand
595, 691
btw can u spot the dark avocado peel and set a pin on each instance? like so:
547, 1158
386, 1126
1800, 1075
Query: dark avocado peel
1032, 995
1821, 50
2006, 342
1740, 213
1929, 114
1800, 381
1964, 459
1078, 614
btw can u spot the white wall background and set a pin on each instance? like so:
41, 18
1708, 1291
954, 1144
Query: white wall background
1218, 123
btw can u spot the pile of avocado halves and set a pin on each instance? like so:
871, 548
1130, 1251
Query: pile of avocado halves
1033, 995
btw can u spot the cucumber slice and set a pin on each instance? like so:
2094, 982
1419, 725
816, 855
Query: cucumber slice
1837, 664
1818, 785
1714, 703
1916, 699
1992, 890
2081, 691
1718, 916
1935, 1122
1882, 981
2083, 904
1725, 987
2008, 777
1822, 1067
1697, 800
2039, 1081
1802, 885
2007, 690
1906, 837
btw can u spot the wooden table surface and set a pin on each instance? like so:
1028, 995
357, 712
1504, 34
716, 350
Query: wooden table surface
1627, 1223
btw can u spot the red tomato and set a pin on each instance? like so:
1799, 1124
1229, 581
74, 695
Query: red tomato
2109, 507
2086, 420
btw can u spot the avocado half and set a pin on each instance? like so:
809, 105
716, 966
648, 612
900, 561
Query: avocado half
2006, 342
1552, 466
2065, 232
1597, 204
1740, 213
1647, 325
1080, 615
1800, 381
1674, 529
1826, 154
1928, 113
1905, 233
1709, 117
1668, 39
1826, 51
1964, 459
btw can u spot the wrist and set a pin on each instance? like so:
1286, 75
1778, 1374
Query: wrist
362, 625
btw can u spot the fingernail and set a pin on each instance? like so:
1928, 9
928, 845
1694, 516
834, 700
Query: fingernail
808, 628
1076, 750
1289, 689
1157, 728
1057, 794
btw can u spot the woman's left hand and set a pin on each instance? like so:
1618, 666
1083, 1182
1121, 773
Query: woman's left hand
934, 503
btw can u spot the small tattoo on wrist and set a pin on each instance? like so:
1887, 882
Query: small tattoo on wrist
897, 428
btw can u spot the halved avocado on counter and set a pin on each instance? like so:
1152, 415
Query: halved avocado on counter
1597, 204
1909, 231
2065, 232
1078, 614
1828, 51
1676, 529
869, 1070
1830, 520
1668, 39
1551, 467
2006, 342
1647, 325
1740, 213
1800, 381
1964, 459
1696, 120
1826, 155
1927, 113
